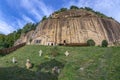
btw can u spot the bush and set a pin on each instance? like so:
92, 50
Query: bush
74, 7
104, 43
91, 42
63, 9
44, 18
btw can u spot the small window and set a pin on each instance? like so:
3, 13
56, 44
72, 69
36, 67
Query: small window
51, 44
38, 41
64, 41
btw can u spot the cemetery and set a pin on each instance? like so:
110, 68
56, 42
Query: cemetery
36, 62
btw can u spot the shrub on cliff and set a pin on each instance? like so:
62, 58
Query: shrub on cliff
74, 7
89, 9
63, 9
104, 43
90, 42
44, 18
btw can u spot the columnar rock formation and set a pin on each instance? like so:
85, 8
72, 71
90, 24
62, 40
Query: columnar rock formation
74, 26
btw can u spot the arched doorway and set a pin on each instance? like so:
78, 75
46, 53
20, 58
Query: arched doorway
64, 42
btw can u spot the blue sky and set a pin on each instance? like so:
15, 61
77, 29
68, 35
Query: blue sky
14, 14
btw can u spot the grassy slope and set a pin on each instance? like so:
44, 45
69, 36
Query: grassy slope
84, 63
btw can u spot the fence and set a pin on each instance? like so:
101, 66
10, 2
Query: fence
11, 49
74, 44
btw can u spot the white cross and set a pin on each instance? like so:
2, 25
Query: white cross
40, 53
66, 53
14, 60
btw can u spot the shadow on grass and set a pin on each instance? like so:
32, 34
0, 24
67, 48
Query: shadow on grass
45, 70
16, 73
1, 55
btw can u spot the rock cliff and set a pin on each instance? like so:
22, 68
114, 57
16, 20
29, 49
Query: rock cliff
74, 26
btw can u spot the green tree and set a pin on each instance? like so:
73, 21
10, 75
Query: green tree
74, 7
56, 12
104, 43
90, 42
101, 14
44, 18
63, 9
28, 27
9, 40
2, 41
88, 9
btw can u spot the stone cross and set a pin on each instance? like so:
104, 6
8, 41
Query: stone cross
14, 60
40, 53
55, 70
81, 69
67, 53
28, 64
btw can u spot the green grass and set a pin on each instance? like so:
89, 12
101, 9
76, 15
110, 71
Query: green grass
83, 63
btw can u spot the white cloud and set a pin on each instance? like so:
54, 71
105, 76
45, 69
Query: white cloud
36, 14
19, 23
37, 8
5, 28
27, 19
117, 17
109, 7
47, 10
106, 4
28, 5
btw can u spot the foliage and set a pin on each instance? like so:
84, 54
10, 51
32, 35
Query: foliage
104, 43
96, 12
44, 18
73, 7
56, 12
63, 9
101, 14
28, 27
91, 42
2, 41
7, 41
88, 9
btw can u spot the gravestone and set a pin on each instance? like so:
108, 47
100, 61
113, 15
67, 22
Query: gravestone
14, 60
40, 53
67, 53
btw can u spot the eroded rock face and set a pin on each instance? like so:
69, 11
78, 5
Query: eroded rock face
25, 38
75, 26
